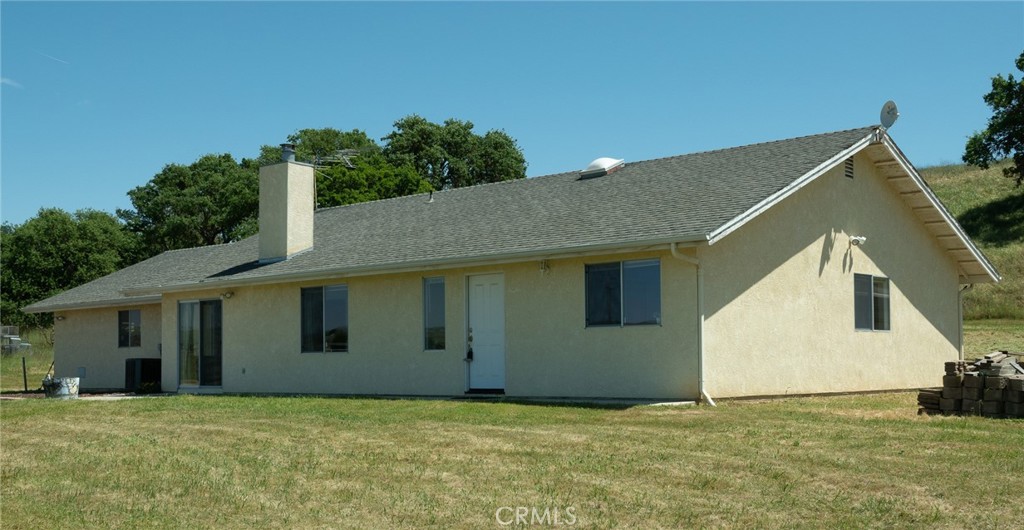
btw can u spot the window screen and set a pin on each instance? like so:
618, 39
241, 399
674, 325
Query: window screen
862, 301
336, 318
604, 294
313, 319
324, 314
871, 302
641, 292
129, 328
881, 303
626, 293
433, 313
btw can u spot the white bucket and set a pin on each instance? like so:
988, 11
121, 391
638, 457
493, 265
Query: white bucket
61, 387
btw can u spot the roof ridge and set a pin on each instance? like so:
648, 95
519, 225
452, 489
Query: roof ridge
215, 245
551, 175
755, 144
449, 190
385, 199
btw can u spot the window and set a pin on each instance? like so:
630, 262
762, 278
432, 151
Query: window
433, 313
871, 302
129, 328
626, 293
325, 319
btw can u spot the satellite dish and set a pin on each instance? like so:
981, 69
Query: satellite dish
889, 114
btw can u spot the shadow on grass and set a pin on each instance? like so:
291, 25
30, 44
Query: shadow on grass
560, 403
997, 223
575, 403
607, 404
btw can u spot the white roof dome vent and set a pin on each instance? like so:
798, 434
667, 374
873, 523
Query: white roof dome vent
602, 166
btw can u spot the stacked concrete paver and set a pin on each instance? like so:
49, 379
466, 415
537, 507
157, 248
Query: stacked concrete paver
991, 386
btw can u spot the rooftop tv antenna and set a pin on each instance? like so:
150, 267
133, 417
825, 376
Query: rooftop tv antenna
889, 114
341, 156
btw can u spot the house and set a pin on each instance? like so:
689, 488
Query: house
815, 264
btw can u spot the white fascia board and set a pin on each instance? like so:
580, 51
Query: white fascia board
733, 224
430, 265
99, 304
909, 169
974, 278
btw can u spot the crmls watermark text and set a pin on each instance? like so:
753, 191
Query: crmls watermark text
531, 515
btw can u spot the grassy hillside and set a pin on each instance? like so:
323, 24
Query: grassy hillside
991, 209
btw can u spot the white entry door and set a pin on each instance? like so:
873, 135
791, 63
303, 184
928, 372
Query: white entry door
486, 332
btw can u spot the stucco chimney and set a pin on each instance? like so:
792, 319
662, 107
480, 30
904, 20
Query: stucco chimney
286, 207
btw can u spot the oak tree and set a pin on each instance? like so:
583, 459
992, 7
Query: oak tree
213, 200
55, 251
451, 155
1004, 135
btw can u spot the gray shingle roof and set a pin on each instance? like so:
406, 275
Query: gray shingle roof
680, 198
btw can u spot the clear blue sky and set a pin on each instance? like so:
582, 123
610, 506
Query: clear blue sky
98, 97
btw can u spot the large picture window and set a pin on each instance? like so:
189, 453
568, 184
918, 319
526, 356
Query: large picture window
129, 328
433, 313
626, 293
871, 302
325, 318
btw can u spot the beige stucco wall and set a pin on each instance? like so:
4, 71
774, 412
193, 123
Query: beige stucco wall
549, 352
87, 339
286, 209
779, 295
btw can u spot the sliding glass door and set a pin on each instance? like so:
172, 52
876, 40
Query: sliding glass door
199, 343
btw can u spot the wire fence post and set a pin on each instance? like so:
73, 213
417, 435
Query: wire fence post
24, 373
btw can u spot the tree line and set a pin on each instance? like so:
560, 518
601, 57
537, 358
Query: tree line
215, 199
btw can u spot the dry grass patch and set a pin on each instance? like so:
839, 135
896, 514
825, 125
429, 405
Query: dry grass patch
985, 336
37, 362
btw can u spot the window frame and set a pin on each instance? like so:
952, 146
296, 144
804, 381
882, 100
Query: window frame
622, 292
325, 315
133, 319
878, 292
429, 282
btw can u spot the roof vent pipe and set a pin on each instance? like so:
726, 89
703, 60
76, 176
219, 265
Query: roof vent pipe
287, 152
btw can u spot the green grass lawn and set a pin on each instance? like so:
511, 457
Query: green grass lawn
240, 462
259, 462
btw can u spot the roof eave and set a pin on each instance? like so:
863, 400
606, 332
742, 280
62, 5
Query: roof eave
877, 136
735, 223
98, 304
911, 172
496, 259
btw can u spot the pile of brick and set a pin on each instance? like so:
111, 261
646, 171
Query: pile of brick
991, 386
